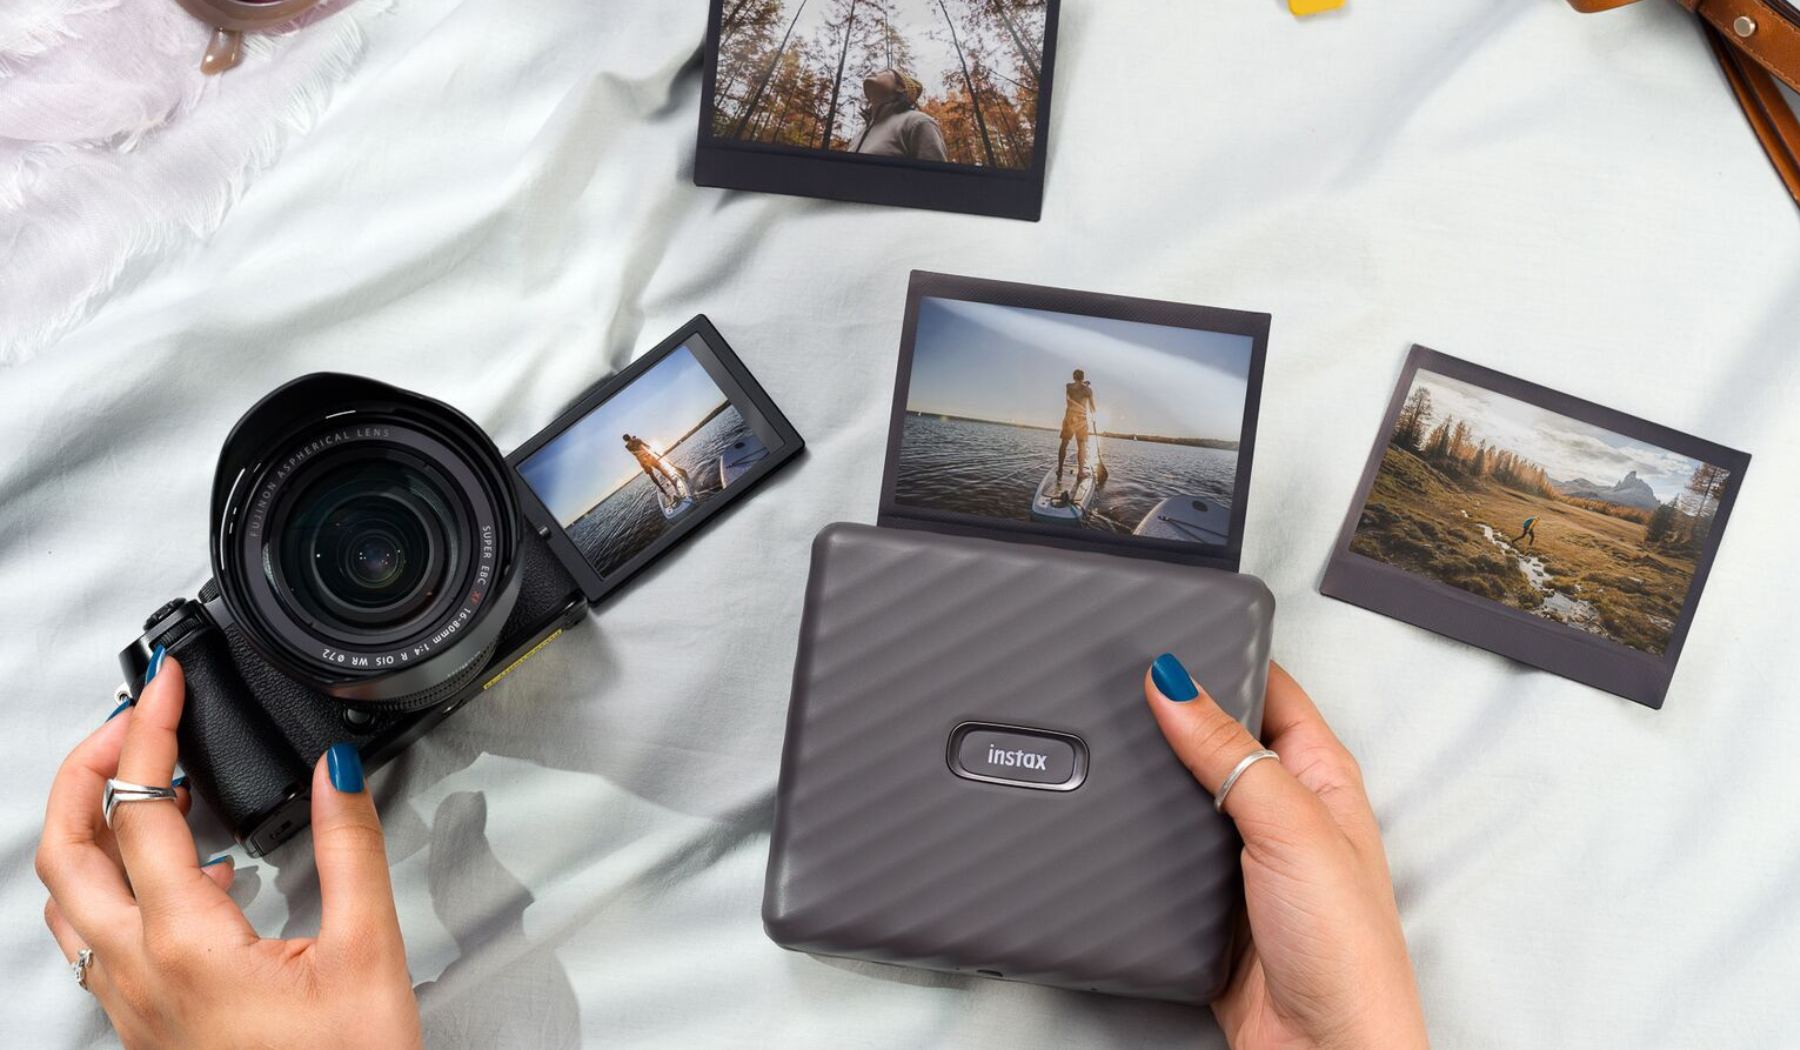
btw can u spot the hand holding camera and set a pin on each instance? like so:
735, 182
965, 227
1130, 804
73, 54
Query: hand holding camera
154, 936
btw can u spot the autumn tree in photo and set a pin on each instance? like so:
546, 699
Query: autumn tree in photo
1686, 521
1415, 416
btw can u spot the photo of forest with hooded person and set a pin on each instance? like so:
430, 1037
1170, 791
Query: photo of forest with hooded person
933, 81
1540, 512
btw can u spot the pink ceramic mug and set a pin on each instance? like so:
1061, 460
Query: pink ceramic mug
230, 18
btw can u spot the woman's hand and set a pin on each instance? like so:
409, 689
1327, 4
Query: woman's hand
175, 963
1325, 964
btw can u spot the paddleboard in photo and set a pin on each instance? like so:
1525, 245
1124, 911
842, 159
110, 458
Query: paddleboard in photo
1065, 498
678, 498
1195, 519
739, 457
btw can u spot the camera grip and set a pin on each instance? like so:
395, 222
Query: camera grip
234, 755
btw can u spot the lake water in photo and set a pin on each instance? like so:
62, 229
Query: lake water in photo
993, 470
629, 520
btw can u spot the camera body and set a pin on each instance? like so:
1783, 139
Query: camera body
377, 563
277, 667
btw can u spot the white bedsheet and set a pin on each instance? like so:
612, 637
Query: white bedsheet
497, 209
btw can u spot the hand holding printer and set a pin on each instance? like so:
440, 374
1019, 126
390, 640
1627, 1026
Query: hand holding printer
1325, 962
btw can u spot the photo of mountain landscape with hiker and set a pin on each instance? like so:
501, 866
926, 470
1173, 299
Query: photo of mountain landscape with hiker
936, 81
1540, 512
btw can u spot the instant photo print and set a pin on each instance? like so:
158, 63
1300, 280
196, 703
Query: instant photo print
1074, 420
971, 780
941, 104
646, 457
1552, 530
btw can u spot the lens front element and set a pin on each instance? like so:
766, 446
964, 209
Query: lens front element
370, 544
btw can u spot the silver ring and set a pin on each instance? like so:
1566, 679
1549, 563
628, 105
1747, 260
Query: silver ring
1249, 760
83, 959
119, 791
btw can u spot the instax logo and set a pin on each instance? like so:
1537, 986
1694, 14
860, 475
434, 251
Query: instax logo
1022, 759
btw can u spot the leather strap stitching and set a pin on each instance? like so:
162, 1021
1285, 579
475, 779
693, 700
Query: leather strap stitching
1750, 44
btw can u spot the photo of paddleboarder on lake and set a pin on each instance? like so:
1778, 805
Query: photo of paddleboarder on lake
640, 463
1609, 528
1075, 422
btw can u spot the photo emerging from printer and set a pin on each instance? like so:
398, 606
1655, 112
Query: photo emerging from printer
641, 462
1074, 422
931, 81
1540, 512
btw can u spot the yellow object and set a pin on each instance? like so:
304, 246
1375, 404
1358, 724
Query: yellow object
490, 683
1313, 7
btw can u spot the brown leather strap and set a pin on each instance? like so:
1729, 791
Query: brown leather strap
1774, 37
1765, 107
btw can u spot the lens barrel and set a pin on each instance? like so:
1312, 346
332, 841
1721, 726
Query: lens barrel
365, 540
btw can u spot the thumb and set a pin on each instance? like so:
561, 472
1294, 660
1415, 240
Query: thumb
355, 895
1267, 804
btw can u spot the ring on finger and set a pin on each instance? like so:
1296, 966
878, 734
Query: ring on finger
122, 791
83, 959
1237, 771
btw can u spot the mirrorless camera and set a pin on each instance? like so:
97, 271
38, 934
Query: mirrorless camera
377, 563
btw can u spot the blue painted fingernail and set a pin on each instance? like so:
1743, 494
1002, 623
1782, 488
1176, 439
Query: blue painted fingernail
223, 858
156, 659
120, 709
1172, 679
178, 781
344, 763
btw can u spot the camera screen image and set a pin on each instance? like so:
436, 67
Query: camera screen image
1067, 421
643, 461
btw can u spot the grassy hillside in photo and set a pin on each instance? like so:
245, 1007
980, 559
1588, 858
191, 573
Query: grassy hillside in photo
1594, 571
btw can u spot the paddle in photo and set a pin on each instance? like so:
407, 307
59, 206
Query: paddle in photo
1122, 422
1585, 521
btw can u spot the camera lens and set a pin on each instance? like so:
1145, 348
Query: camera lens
368, 545
366, 541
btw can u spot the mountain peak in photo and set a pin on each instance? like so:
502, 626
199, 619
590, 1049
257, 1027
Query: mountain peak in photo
1631, 491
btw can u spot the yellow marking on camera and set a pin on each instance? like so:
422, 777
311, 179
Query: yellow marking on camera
1313, 7
489, 684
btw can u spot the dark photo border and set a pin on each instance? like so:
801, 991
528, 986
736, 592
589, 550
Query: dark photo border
970, 189
1090, 304
738, 385
1455, 613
